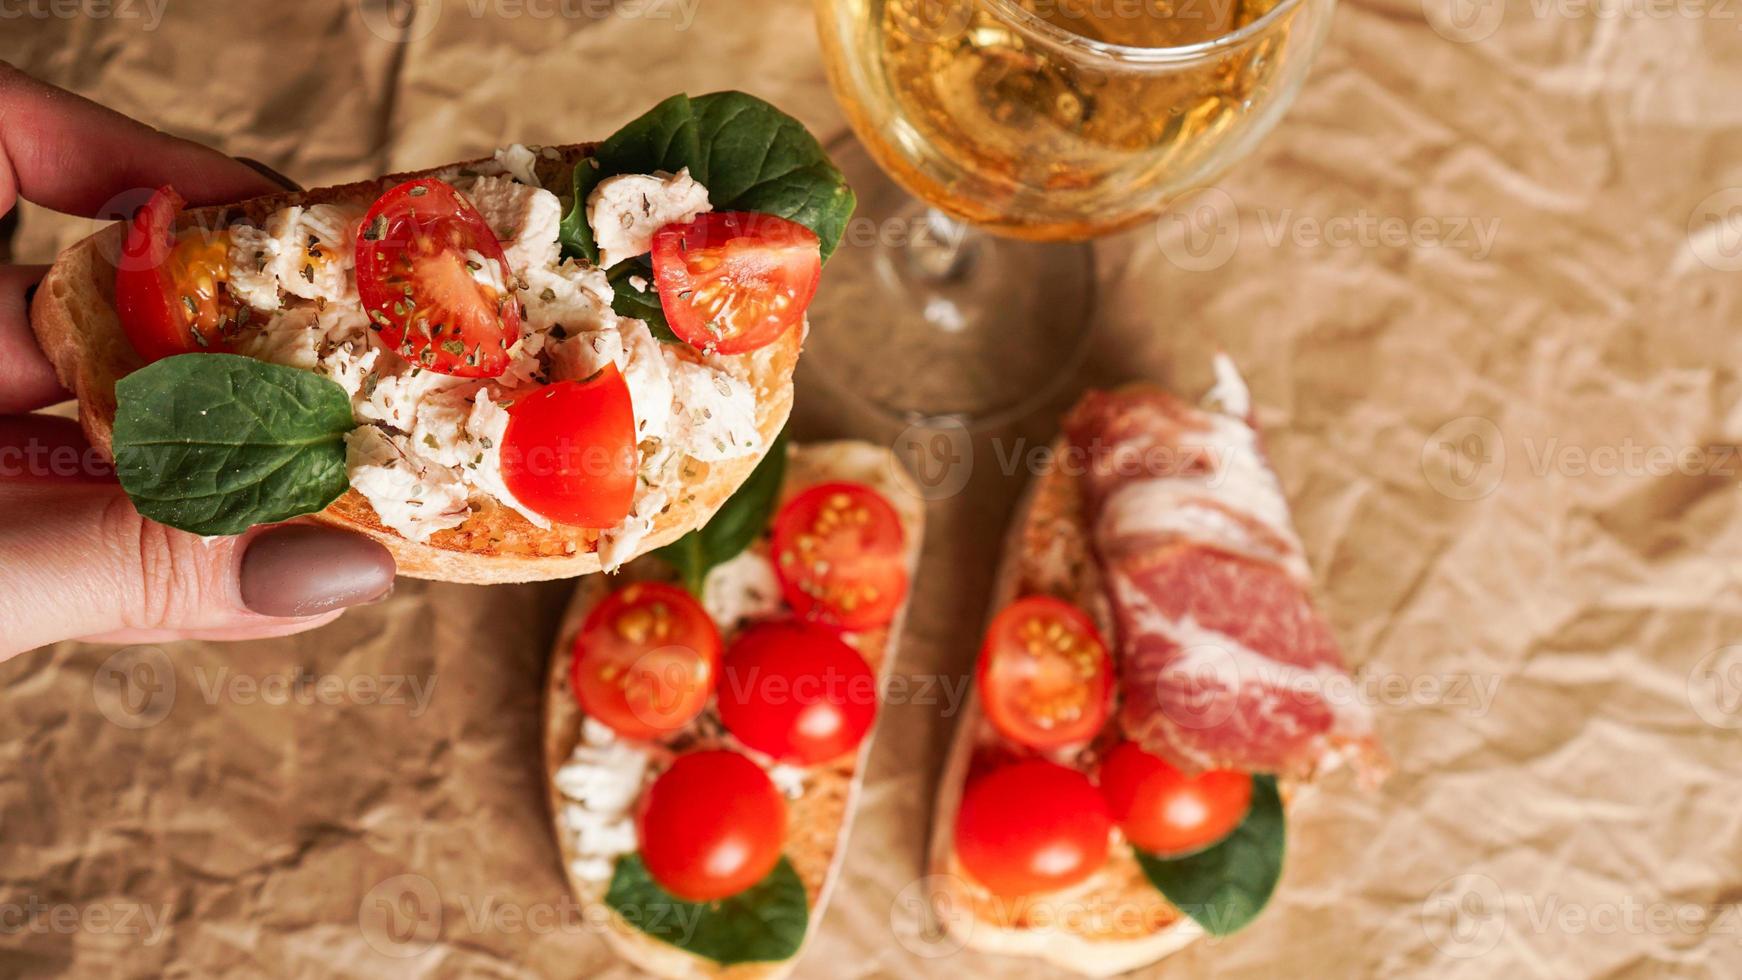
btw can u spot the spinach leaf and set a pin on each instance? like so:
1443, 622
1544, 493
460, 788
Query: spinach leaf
749, 155
628, 301
758, 158
1227, 884
765, 923
217, 443
738, 522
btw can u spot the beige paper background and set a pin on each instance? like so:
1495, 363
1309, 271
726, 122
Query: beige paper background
1588, 823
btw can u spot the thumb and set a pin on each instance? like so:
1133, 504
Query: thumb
76, 560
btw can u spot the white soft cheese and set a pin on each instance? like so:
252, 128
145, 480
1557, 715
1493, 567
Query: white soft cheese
410, 495
741, 590
438, 430
333, 342
399, 390
623, 542
291, 338
714, 413
349, 362
789, 780
601, 781
486, 426
519, 161
311, 253
649, 377
581, 356
527, 220
624, 211
251, 260
526, 365
570, 295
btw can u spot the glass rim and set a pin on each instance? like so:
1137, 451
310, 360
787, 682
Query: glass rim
1135, 54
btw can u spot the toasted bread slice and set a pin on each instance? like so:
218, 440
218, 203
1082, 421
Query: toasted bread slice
77, 326
819, 820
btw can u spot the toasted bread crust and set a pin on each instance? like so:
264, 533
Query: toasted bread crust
77, 327
817, 822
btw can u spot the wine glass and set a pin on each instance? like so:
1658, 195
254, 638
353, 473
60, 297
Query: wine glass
1024, 128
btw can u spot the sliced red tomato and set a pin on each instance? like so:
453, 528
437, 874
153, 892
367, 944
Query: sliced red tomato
435, 283
569, 450
795, 691
646, 660
1166, 812
1030, 827
733, 281
839, 552
169, 286
711, 826
1046, 679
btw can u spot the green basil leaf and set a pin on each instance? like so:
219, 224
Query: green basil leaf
217, 443
738, 522
749, 155
626, 300
758, 158
1227, 884
662, 138
765, 923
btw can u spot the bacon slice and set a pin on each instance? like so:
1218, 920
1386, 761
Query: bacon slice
1224, 661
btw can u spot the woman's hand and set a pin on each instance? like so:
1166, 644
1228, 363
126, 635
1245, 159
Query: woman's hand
76, 560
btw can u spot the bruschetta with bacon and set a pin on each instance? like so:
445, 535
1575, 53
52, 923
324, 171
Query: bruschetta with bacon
1155, 683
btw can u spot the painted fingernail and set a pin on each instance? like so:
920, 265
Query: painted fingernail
271, 174
304, 570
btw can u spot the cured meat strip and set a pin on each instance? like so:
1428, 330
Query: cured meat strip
1224, 661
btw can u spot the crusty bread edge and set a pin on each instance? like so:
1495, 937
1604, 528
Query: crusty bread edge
77, 327
846, 460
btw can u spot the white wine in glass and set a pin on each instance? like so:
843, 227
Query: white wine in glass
1040, 121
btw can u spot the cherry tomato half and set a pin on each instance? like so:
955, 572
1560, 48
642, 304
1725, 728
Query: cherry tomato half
1046, 679
733, 281
569, 450
1032, 826
169, 287
711, 826
1166, 812
796, 692
839, 552
434, 281
646, 660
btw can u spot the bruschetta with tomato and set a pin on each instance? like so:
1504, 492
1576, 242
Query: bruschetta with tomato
1155, 682
708, 712
536, 365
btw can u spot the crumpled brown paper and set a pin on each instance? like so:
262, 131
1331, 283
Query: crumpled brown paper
1483, 283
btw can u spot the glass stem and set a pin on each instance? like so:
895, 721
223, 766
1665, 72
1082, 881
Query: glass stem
943, 249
